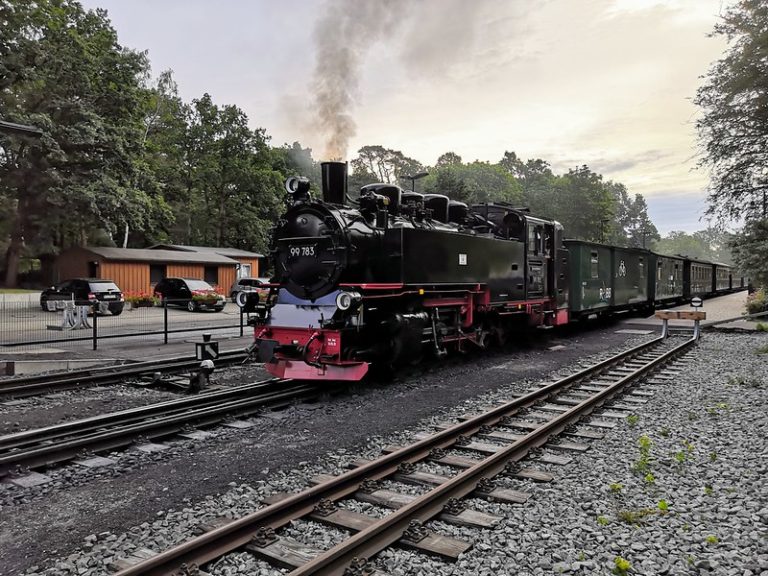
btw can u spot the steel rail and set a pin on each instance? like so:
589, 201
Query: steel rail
227, 538
389, 529
18, 440
26, 386
45, 454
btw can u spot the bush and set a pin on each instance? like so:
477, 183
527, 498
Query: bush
757, 302
141, 299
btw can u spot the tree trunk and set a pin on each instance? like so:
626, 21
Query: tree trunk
12, 259
13, 255
222, 208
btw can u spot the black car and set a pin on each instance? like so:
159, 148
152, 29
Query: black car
84, 292
192, 293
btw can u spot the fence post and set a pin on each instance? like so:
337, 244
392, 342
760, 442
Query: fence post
95, 324
241, 321
165, 320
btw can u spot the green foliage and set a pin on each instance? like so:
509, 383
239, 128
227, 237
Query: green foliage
64, 72
733, 127
680, 456
664, 432
711, 539
708, 490
712, 456
615, 487
603, 521
762, 349
757, 301
583, 188
379, 164
643, 463
663, 506
750, 252
474, 183
621, 566
630, 224
761, 327
633, 419
709, 244
635, 516
745, 381
650, 478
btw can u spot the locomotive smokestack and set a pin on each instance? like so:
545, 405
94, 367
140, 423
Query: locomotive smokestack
334, 182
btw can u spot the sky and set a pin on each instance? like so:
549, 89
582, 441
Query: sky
606, 83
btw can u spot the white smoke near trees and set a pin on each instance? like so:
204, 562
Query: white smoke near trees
428, 37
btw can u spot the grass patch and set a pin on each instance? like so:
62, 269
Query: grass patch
635, 516
621, 566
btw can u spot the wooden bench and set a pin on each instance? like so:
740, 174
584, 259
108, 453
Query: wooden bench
666, 315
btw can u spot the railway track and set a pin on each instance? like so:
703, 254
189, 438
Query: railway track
497, 439
23, 387
54, 444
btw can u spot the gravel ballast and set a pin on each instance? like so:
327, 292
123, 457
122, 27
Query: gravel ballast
707, 461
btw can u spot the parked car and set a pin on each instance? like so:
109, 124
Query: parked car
192, 293
248, 285
85, 291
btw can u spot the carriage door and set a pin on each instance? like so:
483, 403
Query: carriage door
536, 285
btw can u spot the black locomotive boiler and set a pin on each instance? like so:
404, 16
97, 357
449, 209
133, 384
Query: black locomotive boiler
393, 275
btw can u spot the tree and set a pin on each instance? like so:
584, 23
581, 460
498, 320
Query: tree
475, 182
62, 70
750, 251
710, 244
379, 164
234, 186
581, 202
536, 180
733, 129
448, 159
629, 224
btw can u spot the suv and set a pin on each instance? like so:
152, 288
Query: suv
248, 285
84, 292
192, 293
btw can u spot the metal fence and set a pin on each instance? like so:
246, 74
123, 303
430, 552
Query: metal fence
24, 322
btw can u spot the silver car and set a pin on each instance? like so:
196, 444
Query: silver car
248, 285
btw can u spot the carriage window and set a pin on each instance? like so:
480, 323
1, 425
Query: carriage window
641, 264
658, 275
593, 263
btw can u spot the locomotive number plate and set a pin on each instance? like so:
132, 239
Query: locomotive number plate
302, 250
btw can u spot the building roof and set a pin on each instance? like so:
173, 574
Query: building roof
231, 252
151, 255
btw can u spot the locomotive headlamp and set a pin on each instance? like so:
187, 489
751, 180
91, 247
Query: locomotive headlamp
298, 188
345, 300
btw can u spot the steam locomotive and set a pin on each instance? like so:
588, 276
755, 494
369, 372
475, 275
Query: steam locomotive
393, 275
